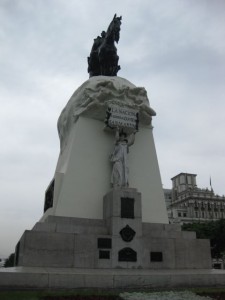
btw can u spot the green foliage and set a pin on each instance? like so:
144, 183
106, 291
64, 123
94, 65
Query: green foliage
213, 230
10, 261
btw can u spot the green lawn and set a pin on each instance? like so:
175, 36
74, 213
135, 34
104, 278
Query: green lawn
90, 294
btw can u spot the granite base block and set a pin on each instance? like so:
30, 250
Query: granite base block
53, 278
119, 240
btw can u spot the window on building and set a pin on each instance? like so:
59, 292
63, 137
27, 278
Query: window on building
185, 215
179, 214
189, 179
196, 214
182, 179
209, 206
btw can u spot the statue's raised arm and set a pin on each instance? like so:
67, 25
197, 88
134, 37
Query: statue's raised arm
131, 139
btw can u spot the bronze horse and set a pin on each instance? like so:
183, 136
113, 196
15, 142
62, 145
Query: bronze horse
103, 59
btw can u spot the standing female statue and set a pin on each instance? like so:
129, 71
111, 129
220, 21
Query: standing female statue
119, 158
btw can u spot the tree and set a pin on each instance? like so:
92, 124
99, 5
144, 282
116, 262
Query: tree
213, 230
10, 261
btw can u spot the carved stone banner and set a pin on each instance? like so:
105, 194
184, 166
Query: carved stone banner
122, 117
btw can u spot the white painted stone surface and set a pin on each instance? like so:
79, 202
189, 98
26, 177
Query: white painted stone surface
83, 171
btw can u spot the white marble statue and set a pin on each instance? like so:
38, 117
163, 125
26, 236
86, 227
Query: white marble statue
119, 158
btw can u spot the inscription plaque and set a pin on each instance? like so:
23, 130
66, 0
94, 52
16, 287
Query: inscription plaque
104, 243
127, 254
127, 208
117, 116
156, 256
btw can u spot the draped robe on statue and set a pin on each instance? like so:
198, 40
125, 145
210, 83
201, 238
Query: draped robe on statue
119, 158
120, 168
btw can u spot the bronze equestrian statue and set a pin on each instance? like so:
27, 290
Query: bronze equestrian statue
103, 58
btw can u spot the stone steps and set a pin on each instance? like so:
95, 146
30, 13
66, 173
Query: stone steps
64, 278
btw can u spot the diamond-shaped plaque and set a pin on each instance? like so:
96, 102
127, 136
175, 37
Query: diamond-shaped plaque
127, 233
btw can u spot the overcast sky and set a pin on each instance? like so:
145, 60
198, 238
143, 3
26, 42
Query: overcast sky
174, 48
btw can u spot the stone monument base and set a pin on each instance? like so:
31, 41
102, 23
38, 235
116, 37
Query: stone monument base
74, 278
119, 251
119, 240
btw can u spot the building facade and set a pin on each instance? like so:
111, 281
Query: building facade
187, 203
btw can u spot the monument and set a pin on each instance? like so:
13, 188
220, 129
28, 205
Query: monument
104, 208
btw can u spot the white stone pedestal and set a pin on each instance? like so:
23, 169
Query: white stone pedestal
83, 171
